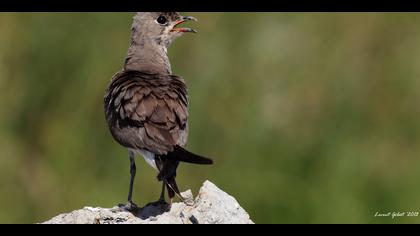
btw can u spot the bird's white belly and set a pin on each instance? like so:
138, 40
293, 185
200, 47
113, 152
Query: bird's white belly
148, 157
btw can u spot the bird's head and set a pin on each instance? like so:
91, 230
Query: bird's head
162, 27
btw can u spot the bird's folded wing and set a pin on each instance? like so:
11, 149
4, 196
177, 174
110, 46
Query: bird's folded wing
151, 110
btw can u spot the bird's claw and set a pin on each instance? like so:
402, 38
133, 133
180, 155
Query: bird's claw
129, 206
161, 203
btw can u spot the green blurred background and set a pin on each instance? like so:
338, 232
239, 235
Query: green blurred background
310, 117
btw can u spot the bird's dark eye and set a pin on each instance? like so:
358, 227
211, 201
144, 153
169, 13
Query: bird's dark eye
161, 20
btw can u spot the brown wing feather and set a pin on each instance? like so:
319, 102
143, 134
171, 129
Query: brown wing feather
147, 111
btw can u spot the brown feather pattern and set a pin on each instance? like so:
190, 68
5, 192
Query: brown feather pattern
147, 111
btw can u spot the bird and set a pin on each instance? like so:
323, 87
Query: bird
146, 105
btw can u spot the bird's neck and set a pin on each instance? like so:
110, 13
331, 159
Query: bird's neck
147, 55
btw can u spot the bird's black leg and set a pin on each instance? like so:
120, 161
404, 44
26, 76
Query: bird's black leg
159, 164
173, 189
162, 194
131, 206
132, 176
169, 175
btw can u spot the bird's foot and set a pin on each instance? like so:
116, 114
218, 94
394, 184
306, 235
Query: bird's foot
161, 203
129, 206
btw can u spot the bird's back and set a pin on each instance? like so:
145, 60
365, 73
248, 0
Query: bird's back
147, 111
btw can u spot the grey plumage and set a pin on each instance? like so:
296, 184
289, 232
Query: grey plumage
146, 106
149, 42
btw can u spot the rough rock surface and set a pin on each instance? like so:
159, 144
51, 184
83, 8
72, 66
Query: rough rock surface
211, 206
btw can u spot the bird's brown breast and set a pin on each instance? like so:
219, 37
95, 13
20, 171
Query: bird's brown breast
147, 111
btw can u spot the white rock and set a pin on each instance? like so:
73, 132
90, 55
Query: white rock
211, 206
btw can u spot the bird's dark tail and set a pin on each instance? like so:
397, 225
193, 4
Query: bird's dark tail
183, 155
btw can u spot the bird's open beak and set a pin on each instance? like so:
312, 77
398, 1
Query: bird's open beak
183, 19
